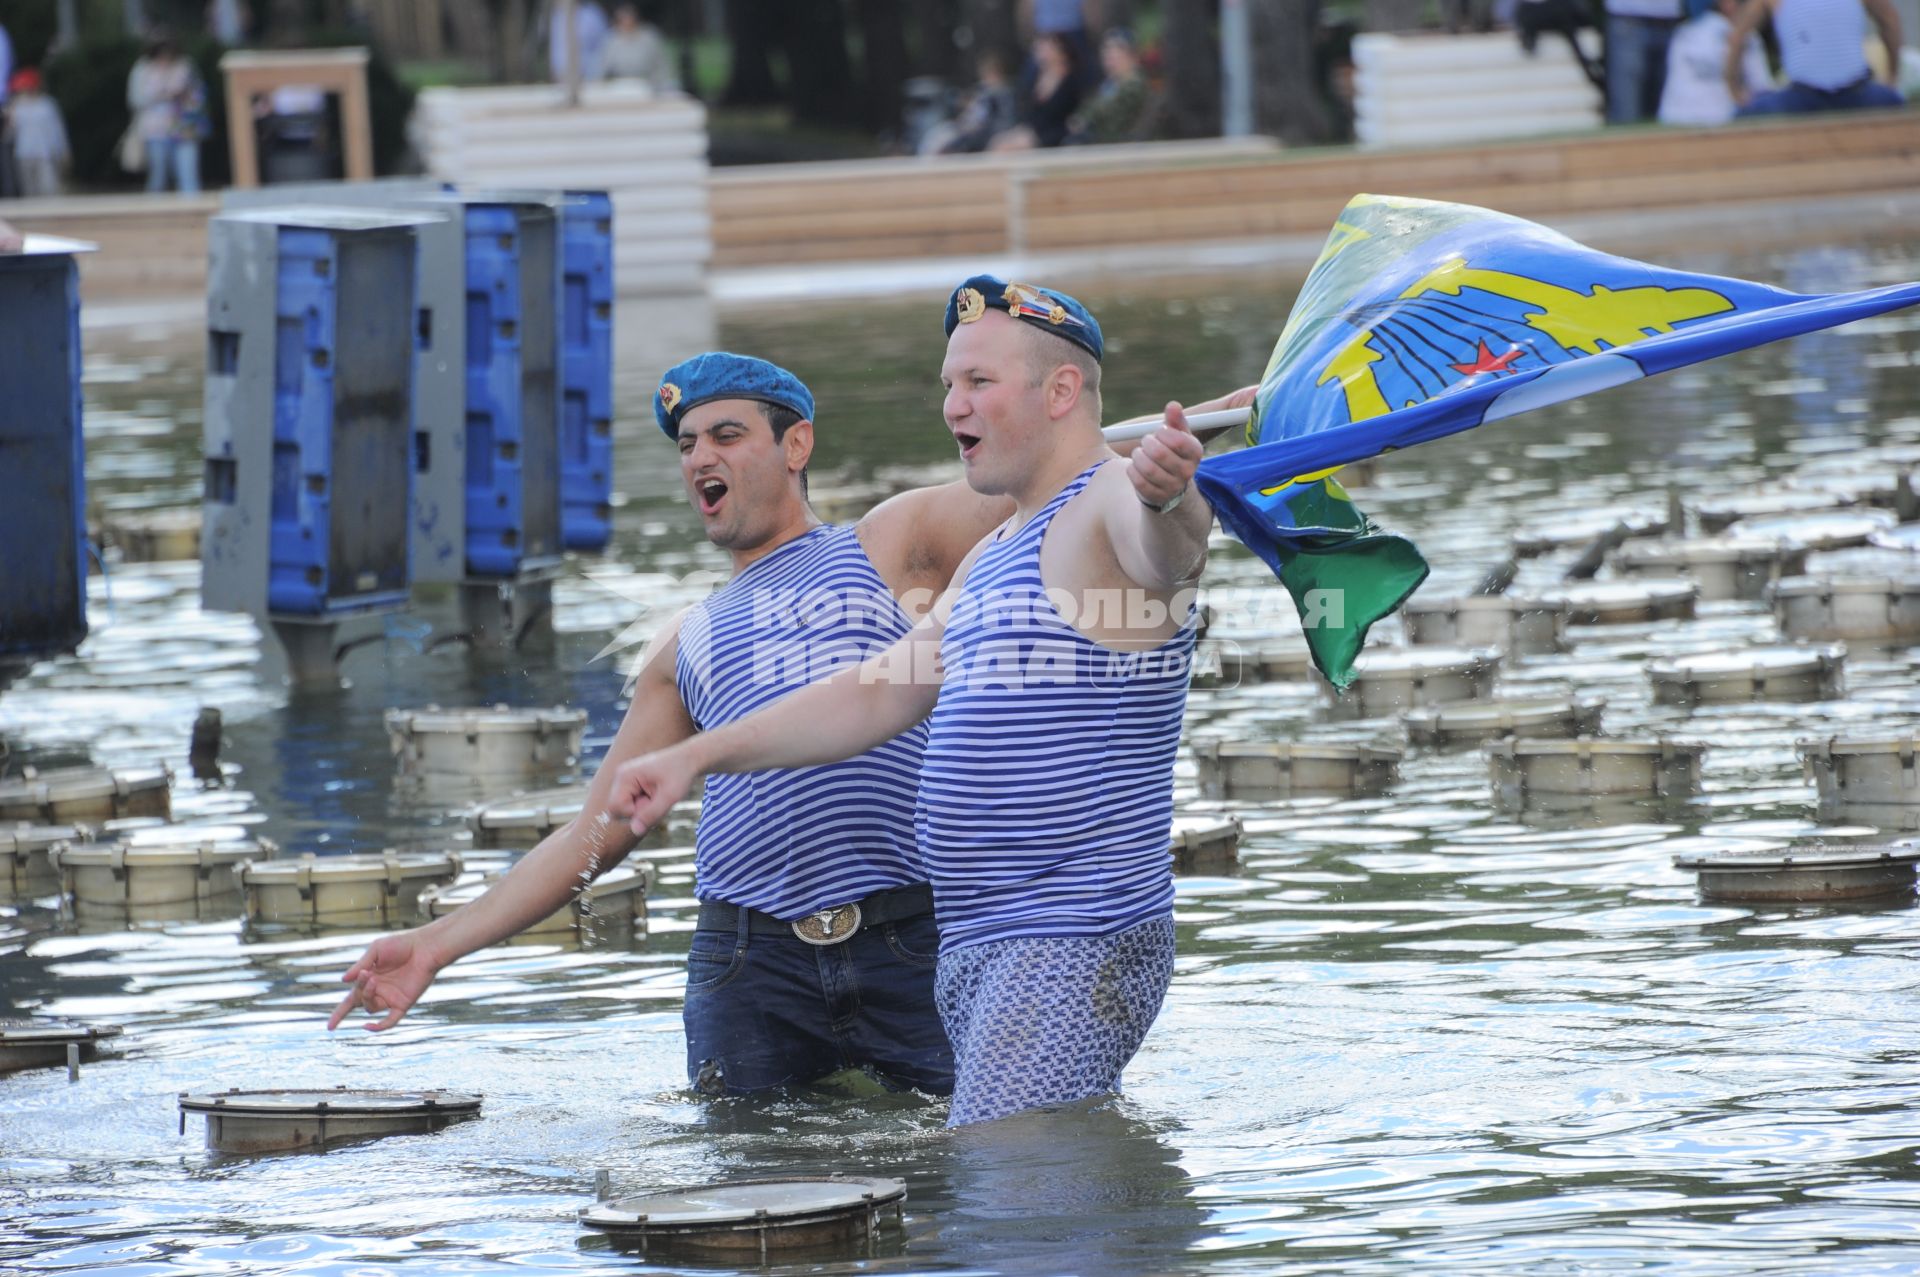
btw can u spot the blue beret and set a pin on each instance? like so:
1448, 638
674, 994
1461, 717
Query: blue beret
720, 375
1045, 309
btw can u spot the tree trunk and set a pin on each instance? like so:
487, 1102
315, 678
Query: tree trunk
472, 35
884, 26
1192, 60
754, 30
286, 22
934, 23
523, 51
66, 29
820, 79
1287, 98
686, 28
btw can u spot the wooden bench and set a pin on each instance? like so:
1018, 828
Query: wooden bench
949, 206
879, 211
149, 245
1622, 171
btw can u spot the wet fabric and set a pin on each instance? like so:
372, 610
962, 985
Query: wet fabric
769, 1011
1046, 790
797, 841
1038, 1021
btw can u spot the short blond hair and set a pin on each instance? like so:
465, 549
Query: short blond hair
1045, 352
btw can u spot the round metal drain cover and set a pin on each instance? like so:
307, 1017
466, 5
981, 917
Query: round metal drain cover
281, 1120
34, 1044
754, 1216
1807, 873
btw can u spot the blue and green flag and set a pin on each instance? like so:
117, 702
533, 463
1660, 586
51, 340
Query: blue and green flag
1423, 319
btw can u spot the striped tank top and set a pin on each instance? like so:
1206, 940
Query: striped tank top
1822, 42
1046, 796
791, 843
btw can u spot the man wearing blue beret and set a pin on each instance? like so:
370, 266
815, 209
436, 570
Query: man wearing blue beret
1050, 682
815, 946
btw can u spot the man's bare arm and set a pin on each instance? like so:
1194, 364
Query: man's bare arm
831, 720
1240, 398
1745, 23
397, 969
1886, 19
1160, 549
917, 539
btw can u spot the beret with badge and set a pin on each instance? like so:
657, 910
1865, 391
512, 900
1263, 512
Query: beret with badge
719, 374
1044, 308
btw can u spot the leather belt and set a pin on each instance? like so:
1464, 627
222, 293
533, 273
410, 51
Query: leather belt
828, 926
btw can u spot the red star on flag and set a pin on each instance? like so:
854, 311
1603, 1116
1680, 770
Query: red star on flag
1489, 362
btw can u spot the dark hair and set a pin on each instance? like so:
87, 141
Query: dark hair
782, 419
1067, 51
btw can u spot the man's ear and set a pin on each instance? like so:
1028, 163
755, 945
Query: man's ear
1064, 385
798, 442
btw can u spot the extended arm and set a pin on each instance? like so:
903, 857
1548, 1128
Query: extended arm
836, 718
1886, 19
1161, 548
395, 970
1238, 399
1745, 23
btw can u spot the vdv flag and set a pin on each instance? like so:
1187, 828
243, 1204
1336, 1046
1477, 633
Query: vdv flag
1422, 319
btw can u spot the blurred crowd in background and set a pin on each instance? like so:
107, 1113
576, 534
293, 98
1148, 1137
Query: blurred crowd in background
103, 94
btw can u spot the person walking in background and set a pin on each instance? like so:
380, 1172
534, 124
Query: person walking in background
635, 50
590, 27
36, 135
1822, 53
227, 21
1697, 94
169, 106
1051, 101
1638, 32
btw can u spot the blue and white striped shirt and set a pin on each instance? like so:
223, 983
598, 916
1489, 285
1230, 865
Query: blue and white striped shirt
1822, 42
1046, 795
791, 843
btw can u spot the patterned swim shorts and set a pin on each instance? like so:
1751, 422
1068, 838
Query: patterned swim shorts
1049, 1020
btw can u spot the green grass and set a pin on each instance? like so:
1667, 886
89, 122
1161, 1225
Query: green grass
441, 73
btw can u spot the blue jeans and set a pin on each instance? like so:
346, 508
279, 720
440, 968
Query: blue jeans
764, 1011
1636, 66
176, 156
1801, 99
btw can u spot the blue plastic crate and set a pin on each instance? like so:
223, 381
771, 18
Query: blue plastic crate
342, 466
43, 523
513, 357
586, 345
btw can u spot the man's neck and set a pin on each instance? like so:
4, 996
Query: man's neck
1058, 470
803, 521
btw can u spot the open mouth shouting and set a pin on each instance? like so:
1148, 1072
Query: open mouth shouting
711, 491
969, 444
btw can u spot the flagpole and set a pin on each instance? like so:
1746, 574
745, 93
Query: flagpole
1198, 422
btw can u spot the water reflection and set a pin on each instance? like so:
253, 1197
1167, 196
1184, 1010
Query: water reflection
1417, 1031
1095, 1188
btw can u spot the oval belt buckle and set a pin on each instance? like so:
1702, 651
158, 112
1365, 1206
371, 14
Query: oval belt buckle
829, 926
